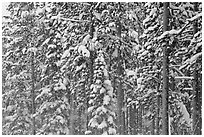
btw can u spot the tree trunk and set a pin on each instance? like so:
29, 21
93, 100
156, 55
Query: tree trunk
142, 114
165, 120
125, 116
71, 115
120, 94
129, 120
158, 117
196, 105
153, 126
80, 121
137, 121
120, 103
188, 104
200, 103
91, 73
140, 118
132, 120
158, 110
125, 122
86, 113
33, 93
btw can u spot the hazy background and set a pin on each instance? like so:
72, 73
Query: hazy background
4, 5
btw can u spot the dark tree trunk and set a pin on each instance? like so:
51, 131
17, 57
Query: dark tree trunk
91, 73
137, 120
71, 132
196, 105
130, 111
124, 120
158, 110
142, 114
153, 126
140, 119
80, 121
132, 120
165, 120
33, 92
188, 104
120, 94
200, 103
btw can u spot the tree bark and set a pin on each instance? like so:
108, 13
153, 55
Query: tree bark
132, 120
200, 102
140, 118
196, 105
91, 72
158, 111
125, 121
153, 126
165, 120
33, 92
72, 115
80, 121
137, 121
196, 117
120, 94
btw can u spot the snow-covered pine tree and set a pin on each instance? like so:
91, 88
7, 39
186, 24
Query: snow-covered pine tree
20, 38
179, 34
64, 38
101, 103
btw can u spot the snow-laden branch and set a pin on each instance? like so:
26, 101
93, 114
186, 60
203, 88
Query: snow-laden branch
191, 60
171, 6
129, 84
172, 32
185, 114
97, 5
156, 79
74, 20
115, 38
195, 57
166, 33
178, 32
187, 88
195, 17
183, 77
177, 70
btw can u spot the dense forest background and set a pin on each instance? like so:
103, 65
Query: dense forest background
102, 68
